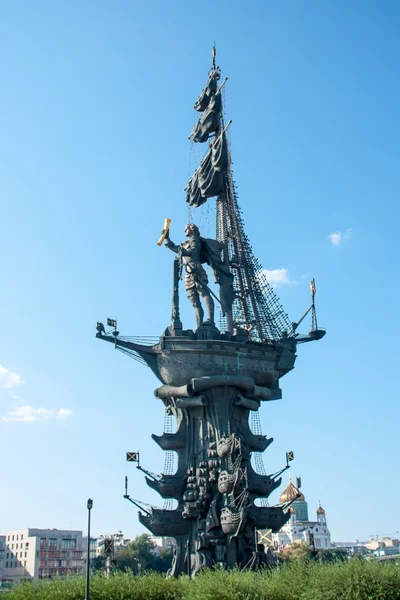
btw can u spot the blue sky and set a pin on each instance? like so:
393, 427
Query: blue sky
95, 111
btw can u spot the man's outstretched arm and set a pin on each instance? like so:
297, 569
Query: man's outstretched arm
171, 246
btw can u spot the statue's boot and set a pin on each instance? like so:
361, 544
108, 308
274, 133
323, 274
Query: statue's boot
199, 313
209, 302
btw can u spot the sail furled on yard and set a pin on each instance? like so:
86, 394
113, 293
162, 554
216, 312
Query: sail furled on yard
208, 179
209, 121
210, 104
209, 91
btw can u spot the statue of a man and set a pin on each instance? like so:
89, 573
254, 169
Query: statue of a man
196, 280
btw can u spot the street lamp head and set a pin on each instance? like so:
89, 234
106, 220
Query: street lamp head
90, 503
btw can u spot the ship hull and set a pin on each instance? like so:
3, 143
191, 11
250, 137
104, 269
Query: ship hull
178, 360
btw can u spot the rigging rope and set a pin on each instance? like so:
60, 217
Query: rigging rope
132, 354
256, 308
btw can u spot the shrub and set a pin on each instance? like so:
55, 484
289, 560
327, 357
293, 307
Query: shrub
299, 580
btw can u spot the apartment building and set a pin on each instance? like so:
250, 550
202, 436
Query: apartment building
162, 542
2, 556
41, 553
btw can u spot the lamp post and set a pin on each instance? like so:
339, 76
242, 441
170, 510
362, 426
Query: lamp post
89, 507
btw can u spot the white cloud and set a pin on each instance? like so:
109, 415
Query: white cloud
277, 277
8, 379
25, 414
338, 236
63, 413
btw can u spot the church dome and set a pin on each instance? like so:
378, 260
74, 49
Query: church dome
290, 493
320, 510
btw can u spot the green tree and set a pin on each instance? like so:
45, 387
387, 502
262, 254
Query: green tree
98, 563
164, 560
299, 551
332, 555
138, 555
296, 551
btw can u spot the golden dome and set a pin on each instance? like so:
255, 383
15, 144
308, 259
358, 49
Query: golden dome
320, 510
290, 493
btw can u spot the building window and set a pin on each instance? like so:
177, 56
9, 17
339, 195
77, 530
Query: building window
17, 537
7, 565
12, 546
8, 555
68, 544
22, 536
24, 563
43, 542
12, 538
53, 543
26, 545
25, 554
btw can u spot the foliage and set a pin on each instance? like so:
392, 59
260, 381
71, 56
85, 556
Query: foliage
302, 552
332, 555
296, 551
98, 563
137, 557
352, 579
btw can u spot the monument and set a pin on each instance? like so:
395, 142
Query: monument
213, 377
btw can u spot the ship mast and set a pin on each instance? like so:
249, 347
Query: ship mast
256, 309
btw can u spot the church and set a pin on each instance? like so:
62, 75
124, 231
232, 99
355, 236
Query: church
299, 528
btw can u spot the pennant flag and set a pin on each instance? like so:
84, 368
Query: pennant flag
289, 455
132, 456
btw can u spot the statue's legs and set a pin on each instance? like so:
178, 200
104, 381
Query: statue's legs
209, 302
198, 309
194, 297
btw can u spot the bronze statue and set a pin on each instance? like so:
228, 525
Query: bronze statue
196, 280
212, 379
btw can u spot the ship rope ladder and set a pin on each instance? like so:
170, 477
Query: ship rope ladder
169, 462
255, 426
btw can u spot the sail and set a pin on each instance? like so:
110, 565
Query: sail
211, 88
208, 180
209, 121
